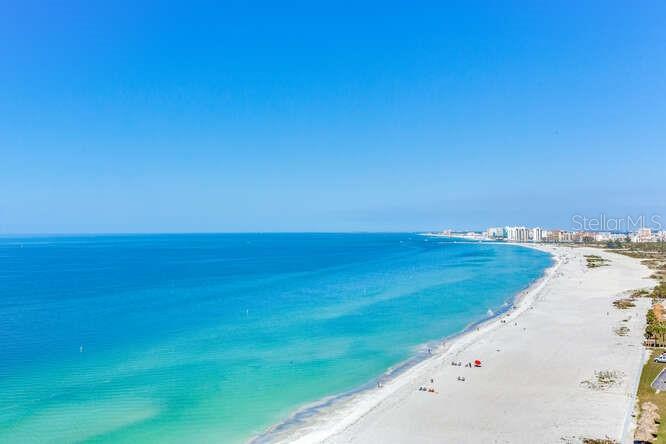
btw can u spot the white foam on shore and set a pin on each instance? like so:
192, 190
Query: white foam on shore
536, 361
330, 416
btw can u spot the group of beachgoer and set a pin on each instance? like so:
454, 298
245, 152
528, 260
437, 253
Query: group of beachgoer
423, 388
468, 365
476, 363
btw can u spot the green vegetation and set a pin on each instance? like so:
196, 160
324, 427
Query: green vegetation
655, 329
654, 257
614, 244
659, 291
651, 263
646, 247
647, 394
594, 261
637, 247
623, 304
651, 404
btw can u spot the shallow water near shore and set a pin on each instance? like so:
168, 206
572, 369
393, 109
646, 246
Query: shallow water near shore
213, 338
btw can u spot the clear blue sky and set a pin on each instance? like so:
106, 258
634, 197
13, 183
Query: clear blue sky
247, 116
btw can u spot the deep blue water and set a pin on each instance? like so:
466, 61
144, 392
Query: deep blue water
212, 338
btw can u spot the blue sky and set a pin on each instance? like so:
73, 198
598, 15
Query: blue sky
340, 116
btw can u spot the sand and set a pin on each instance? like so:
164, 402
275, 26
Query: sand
535, 361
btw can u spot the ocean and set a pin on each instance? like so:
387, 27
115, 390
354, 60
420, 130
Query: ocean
216, 337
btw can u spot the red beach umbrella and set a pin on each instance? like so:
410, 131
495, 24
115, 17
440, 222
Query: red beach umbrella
477, 363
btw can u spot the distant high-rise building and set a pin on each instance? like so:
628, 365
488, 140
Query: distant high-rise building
644, 235
537, 234
495, 233
565, 236
517, 234
602, 236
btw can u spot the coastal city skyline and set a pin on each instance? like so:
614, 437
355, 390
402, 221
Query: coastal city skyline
556, 235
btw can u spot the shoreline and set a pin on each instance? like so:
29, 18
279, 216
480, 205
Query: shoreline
539, 381
346, 408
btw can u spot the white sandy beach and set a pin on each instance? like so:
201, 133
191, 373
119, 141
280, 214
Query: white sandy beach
535, 358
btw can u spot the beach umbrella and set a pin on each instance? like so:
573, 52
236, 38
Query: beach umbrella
477, 363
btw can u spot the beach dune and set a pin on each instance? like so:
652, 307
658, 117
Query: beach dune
539, 379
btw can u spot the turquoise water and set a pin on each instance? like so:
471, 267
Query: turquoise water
213, 338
